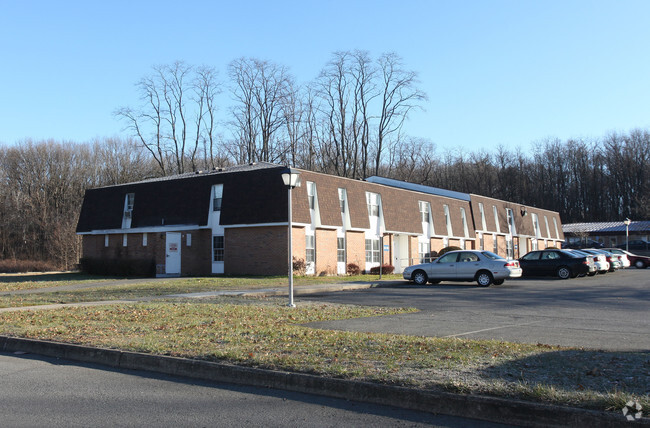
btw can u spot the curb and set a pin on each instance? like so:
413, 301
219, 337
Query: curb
513, 412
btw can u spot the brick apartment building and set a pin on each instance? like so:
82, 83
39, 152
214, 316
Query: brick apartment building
234, 221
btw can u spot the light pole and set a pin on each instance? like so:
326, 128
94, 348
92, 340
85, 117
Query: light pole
627, 222
291, 179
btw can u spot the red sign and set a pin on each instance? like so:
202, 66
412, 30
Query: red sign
173, 247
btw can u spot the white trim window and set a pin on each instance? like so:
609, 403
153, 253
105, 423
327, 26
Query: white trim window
496, 219
557, 232
310, 248
548, 230
218, 248
125, 241
424, 251
188, 239
536, 230
340, 250
217, 197
511, 222
372, 250
106, 240
144, 239
424, 211
311, 194
447, 220
372, 200
482, 211
463, 217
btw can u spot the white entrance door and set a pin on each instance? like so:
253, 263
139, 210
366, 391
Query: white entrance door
173, 253
400, 252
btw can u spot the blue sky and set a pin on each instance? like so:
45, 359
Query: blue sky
496, 72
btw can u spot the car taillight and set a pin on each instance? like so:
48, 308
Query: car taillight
512, 263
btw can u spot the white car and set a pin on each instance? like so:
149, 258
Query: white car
484, 267
600, 260
622, 255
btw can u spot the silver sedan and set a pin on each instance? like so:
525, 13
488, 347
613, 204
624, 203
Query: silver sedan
484, 267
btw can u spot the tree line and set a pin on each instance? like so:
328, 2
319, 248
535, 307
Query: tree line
604, 179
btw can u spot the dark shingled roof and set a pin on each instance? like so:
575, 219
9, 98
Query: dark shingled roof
252, 193
613, 227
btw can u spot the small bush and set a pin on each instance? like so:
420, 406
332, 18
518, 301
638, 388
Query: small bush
22, 266
353, 269
448, 249
117, 267
385, 269
299, 266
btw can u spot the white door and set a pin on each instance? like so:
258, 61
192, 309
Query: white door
173, 253
400, 253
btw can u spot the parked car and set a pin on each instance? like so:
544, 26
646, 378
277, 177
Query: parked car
614, 260
640, 262
621, 255
600, 259
593, 270
484, 267
635, 244
562, 263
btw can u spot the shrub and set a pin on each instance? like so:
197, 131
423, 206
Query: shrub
448, 249
385, 269
353, 269
22, 266
117, 267
299, 266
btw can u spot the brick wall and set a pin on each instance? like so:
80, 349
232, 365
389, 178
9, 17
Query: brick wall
356, 248
325, 252
256, 250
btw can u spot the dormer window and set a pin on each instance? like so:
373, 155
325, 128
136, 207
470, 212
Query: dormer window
217, 193
372, 200
130, 199
311, 194
424, 211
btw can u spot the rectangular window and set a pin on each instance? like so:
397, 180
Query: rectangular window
217, 248
217, 194
424, 250
189, 239
144, 239
130, 200
424, 211
482, 211
548, 230
340, 250
496, 219
310, 242
464, 220
447, 220
342, 197
372, 251
105, 240
124, 240
495, 245
536, 231
481, 242
372, 199
311, 194
511, 222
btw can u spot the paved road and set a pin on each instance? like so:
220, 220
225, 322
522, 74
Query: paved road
609, 311
39, 391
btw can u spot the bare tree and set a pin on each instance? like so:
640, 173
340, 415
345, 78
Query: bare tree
399, 96
173, 98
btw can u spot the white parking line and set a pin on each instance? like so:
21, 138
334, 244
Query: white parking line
494, 328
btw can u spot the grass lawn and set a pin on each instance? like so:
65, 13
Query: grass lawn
265, 333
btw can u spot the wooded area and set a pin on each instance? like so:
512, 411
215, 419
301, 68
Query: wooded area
348, 122
601, 180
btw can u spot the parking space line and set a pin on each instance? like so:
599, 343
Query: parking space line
494, 328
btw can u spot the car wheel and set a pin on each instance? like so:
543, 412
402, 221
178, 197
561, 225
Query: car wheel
484, 278
498, 281
420, 277
639, 264
563, 272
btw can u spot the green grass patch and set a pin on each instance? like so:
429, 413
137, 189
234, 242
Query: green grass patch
267, 334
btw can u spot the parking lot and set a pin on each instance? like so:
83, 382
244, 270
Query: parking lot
610, 312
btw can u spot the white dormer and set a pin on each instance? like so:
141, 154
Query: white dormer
129, 200
314, 210
345, 209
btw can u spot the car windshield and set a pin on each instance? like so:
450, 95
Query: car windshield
491, 255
